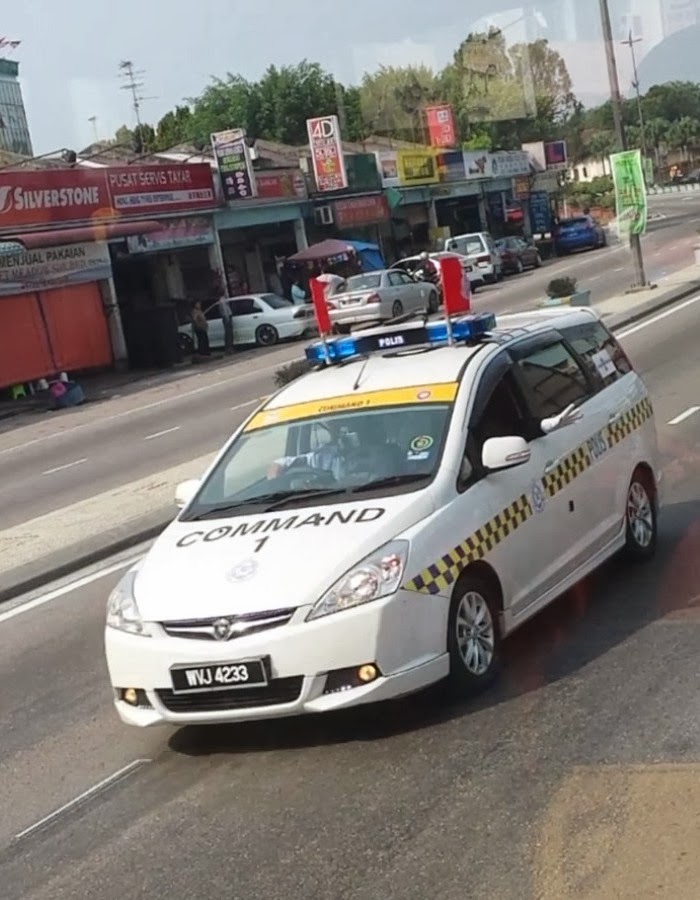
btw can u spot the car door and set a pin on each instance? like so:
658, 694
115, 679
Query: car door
416, 294
552, 378
617, 393
216, 325
517, 526
244, 323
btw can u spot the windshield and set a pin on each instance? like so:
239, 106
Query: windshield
393, 449
360, 283
275, 302
574, 223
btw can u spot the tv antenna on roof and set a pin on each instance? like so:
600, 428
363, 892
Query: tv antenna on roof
132, 84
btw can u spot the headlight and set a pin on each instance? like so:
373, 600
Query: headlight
378, 575
122, 611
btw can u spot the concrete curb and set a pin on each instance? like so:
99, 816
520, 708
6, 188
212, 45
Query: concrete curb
54, 567
114, 542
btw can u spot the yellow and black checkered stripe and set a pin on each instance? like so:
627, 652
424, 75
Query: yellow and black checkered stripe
441, 574
630, 422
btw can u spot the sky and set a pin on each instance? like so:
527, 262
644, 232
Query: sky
70, 52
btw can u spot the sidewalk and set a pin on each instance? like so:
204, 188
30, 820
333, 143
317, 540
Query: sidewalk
54, 545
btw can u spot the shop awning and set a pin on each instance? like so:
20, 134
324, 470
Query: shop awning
57, 237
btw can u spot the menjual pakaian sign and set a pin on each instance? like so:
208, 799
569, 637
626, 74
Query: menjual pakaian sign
42, 269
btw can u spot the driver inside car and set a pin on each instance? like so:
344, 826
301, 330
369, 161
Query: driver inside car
350, 450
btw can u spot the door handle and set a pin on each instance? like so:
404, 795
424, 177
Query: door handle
551, 466
615, 418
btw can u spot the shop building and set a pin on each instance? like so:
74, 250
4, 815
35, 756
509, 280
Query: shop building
14, 128
110, 252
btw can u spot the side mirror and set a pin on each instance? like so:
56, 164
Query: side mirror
504, 453
185, 491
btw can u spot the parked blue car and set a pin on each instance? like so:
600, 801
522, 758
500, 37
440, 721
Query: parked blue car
579, 233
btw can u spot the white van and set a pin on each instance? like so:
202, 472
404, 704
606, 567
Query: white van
482, 253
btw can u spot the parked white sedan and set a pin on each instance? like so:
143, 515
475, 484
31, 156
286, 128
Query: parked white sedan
262, 319
380, 296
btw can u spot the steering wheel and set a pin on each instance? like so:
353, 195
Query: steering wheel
300, 476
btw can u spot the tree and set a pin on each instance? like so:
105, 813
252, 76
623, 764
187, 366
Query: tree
600, 145
391, 101
285, 98
174, 128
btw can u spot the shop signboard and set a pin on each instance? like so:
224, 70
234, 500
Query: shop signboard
327, 154
233, 161
33, 270
417, 167
388, 165
451, 165
509, 164
555, 156
284, 185
476, 164
521, 187
441, 125
540, 212
59, 196
359, 211
193, 231
363, 174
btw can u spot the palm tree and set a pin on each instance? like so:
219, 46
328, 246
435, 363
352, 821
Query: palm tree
601, 145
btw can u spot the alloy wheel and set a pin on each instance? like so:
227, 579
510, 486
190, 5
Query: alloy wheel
475, 633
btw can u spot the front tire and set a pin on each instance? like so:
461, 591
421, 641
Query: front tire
266, 335
473, 639
641, 518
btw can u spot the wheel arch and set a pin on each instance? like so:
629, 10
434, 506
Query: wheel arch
487, 573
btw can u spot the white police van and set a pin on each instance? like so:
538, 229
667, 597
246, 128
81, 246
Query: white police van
382, 522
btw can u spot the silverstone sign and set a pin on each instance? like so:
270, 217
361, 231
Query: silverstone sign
59, 196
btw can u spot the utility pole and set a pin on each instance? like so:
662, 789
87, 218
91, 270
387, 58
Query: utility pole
640, 280
630, 42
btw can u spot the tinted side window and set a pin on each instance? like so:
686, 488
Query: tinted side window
395, 279
551, 379
243, 307
603, 357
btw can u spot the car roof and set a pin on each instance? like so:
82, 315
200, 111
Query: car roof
441, 365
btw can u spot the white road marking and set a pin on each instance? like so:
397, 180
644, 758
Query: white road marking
249, 403
685, 415
70, 465
84, 797
655, 319
76, 585
159, 434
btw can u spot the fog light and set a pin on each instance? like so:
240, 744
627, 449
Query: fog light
131, 696
367, 673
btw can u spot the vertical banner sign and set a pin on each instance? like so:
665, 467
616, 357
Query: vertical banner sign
234, 163
318, 295
441, 126
630, 193
327, 154
455, 285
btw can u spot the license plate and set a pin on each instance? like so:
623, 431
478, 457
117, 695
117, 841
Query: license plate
218, 676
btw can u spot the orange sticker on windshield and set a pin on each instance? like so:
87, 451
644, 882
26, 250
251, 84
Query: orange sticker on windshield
418, 394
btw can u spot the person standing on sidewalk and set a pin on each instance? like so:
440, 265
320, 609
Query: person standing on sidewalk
201, 329
227, 319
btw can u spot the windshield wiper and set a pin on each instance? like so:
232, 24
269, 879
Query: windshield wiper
272, 501
391, 481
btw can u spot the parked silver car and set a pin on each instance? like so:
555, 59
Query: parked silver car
379, 296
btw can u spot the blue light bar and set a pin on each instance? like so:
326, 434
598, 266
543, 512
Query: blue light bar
464, 329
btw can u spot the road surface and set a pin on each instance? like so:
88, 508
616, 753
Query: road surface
576, 777
48, 467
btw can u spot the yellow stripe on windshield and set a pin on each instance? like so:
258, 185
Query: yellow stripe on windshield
424, 393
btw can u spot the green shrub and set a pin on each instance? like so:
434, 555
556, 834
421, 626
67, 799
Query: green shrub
292, 371
562, 287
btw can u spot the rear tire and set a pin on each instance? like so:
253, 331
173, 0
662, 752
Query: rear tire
641, 518
185, 343
473, 638
538, 261
266, 335
520, 268
433, 303
397, 309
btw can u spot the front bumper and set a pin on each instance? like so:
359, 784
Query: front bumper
403, 635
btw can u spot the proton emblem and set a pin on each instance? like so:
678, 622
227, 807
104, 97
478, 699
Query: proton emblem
223, 629
244, 571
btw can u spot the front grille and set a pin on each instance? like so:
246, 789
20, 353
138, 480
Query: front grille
276, 692
241, 626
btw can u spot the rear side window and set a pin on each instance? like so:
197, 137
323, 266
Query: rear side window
603, 357
551, 379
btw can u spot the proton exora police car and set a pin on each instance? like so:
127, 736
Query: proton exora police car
383, 522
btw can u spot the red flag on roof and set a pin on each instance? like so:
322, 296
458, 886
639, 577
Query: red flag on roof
455, 286
318, 295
